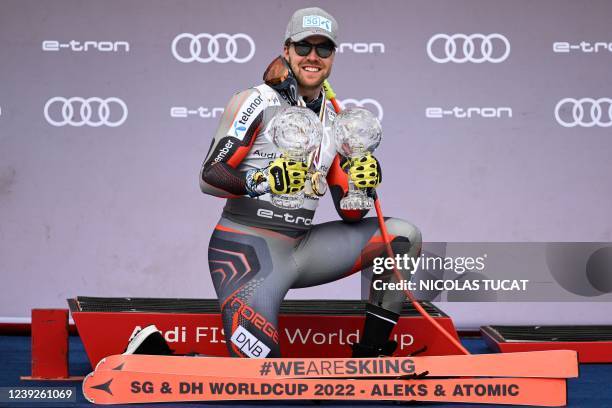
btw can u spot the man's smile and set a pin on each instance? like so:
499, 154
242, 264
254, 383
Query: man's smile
310, 68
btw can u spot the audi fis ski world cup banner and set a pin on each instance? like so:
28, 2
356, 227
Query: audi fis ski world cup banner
497, 138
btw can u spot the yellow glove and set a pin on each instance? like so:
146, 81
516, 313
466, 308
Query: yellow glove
365, 171
287, 176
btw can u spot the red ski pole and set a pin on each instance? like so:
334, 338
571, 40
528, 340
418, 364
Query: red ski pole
331, 96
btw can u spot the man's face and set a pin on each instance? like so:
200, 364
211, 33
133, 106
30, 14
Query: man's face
311, 70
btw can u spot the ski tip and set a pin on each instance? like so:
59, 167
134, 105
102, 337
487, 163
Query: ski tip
100, 363
87, 397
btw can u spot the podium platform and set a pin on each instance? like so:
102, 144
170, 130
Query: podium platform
308, 328
593, 343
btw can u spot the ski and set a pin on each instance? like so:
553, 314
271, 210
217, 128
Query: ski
542, 364
125, 387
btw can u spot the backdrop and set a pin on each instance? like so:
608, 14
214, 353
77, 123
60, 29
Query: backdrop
496, 116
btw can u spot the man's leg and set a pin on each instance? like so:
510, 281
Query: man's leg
252, 270
333, 250
384, 307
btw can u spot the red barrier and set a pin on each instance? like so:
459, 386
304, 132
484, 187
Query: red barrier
49, 344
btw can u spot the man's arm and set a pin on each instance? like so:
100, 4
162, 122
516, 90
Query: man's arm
337, 179
237, 131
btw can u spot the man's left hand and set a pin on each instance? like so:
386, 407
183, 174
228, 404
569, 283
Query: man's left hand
365, 171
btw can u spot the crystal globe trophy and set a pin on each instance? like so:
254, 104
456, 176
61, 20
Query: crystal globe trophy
296, 132
356, 132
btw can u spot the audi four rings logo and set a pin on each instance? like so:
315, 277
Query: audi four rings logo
370, 104
475, 48
221, 48
571, 112
94, 112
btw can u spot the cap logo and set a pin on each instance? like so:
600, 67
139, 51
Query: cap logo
318, 22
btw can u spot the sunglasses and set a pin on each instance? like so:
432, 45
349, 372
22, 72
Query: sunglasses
323, 50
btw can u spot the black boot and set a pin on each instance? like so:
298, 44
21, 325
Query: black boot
366, 350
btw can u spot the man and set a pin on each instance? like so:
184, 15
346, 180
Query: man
258, 251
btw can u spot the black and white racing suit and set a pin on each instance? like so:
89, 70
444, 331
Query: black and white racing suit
258, 251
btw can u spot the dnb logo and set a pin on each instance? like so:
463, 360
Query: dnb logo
77, 111
462, 48
221, 48
368, 103
584, 112
249, 344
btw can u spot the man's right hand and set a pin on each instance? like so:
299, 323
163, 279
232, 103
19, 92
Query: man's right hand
286, 176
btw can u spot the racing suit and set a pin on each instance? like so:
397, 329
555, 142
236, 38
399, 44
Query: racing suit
258, 251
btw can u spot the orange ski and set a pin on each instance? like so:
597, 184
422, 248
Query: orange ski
543, 364
124, 387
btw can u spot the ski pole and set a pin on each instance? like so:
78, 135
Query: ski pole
331, 96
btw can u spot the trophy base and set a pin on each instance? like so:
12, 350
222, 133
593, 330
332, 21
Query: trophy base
288, 201
357, 203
